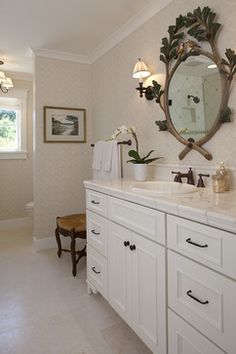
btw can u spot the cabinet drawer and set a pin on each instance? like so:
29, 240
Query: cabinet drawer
212, 247
97, 202
207, 300
97, 270
145, 221
183, 339
97, 228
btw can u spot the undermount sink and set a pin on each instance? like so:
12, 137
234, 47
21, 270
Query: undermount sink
163, 188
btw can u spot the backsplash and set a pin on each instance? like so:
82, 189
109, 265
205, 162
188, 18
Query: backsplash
163, 172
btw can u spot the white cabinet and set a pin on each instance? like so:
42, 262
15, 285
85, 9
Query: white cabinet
127, 263
136, 268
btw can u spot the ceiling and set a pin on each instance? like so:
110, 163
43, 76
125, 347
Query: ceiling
76, 27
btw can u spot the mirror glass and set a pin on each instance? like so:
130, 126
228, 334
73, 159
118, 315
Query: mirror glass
195, 94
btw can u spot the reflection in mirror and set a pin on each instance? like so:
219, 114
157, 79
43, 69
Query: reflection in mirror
195, 97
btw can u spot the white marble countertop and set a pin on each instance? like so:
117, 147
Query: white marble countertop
218, 210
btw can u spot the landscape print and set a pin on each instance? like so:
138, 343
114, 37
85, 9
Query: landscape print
64, 125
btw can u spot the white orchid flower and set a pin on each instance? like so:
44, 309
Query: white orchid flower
123, 129
132, 129
115, 134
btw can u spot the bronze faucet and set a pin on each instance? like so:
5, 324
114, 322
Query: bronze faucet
188, 175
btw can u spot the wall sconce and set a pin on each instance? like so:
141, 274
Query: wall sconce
140, 71
5, 82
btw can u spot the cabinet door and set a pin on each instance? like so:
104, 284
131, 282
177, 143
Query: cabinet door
119, 270
149, 293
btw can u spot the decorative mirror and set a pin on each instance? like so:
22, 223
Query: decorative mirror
197, 86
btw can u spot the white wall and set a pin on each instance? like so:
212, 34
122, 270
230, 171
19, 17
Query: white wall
59, 168
116, 102
16, 176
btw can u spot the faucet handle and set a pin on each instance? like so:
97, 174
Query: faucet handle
177, 177
200, 183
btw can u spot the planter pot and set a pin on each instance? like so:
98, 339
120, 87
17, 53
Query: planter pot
140, 172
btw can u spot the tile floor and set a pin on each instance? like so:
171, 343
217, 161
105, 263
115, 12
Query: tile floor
45, 310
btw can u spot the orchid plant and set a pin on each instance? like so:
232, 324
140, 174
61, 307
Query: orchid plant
134, 154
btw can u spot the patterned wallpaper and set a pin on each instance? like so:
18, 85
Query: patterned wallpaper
16, 176
107, 90
116, 102
59, 168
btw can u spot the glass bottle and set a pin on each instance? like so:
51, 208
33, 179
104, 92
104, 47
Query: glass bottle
222, 171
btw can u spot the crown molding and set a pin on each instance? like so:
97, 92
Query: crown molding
54, 54
135, 22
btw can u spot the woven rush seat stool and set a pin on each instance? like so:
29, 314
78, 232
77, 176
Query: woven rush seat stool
73, 226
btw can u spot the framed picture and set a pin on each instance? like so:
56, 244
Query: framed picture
64, 125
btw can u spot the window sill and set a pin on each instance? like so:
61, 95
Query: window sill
13, 155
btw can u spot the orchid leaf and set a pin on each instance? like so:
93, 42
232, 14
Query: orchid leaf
150, 152
152, 160
135, 155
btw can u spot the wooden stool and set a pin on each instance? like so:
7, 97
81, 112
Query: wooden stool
73, 226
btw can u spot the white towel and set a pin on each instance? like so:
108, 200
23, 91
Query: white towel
106, 161
108, 151
98, 155
116, 162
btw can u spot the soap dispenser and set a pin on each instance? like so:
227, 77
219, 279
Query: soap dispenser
222, 171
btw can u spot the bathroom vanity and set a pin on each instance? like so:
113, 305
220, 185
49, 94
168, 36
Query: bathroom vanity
166, 264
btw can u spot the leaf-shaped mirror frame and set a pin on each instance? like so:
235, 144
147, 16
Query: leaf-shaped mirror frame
183, 41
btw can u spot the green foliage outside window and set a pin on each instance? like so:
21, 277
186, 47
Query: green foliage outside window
7, 129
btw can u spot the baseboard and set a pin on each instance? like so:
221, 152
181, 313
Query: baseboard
47, 243
17, 223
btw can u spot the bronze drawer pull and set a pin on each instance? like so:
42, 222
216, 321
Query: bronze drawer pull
195, 244
95, 271
189, 293
95, 233
94, 202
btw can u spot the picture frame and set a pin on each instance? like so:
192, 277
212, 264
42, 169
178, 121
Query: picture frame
64, 125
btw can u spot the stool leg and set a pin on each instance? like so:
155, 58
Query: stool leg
73, 253
58, 242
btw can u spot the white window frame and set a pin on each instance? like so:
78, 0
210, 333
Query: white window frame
21, 153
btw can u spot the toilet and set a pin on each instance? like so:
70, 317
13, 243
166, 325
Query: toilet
29, 209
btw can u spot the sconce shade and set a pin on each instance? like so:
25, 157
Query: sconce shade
140, 70
8, 83
2, 77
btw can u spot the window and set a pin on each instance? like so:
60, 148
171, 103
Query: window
13, 125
